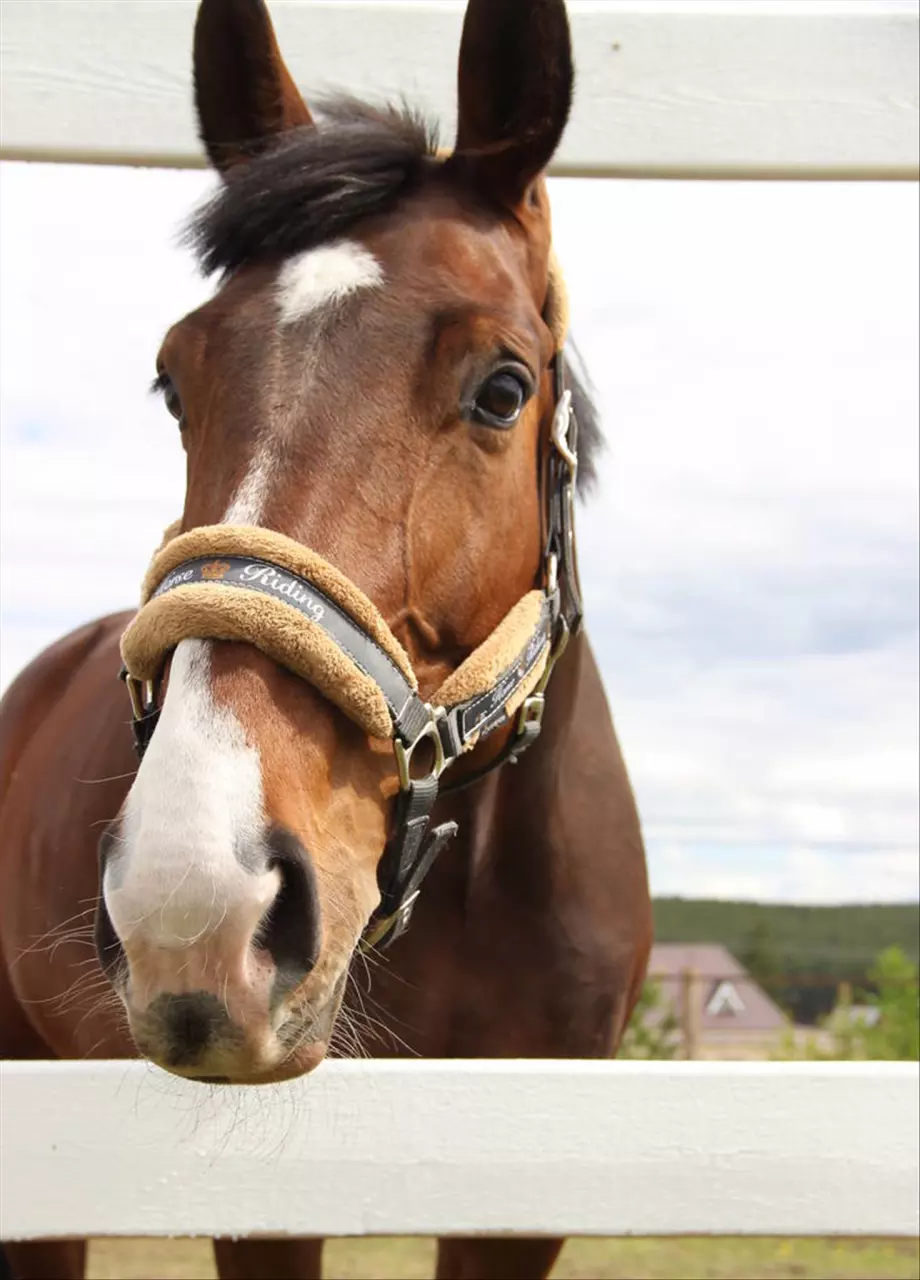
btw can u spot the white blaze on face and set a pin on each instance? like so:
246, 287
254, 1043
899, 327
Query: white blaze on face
249, 500
193, 817
307, 283
195, 813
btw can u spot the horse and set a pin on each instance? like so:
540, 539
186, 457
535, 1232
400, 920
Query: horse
380, 423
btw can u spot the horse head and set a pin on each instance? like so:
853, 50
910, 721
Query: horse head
373, 380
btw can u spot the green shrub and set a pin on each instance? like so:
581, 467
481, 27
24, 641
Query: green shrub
893, 1035
896, 1034
653, 1030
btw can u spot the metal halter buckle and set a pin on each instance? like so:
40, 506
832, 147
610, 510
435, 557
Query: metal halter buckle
557, 649
560, 432
531, 712
404, 753
552, 573
528, 725
140, 692
393, 926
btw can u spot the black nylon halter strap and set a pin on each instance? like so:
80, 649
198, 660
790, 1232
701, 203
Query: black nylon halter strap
448, 731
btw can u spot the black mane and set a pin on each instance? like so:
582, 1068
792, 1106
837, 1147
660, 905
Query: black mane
315, 184
590, 435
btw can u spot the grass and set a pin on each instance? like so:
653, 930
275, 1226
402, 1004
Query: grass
694, 1258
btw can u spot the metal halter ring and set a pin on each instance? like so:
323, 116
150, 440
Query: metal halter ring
405, 753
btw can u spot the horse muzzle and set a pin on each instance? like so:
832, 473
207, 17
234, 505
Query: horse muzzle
222, 980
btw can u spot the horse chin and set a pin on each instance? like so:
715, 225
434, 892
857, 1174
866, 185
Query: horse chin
304, 1059
193, 1035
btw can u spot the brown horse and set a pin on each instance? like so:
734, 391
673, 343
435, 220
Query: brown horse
376, 379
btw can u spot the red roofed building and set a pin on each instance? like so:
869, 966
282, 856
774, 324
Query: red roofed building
721, 1009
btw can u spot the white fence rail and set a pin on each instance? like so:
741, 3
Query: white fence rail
721, 88
427, 1148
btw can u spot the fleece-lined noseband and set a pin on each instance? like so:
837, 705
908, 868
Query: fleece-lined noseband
232, 582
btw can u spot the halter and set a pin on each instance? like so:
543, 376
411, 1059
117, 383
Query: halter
215, 583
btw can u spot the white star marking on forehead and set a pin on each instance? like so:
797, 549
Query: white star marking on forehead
320, 277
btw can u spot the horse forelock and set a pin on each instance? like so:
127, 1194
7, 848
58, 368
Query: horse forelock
313, 185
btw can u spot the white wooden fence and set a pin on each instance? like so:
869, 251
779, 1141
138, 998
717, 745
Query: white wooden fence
681, 89
429, 1148
668, 88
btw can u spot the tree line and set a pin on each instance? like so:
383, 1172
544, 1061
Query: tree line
800, 955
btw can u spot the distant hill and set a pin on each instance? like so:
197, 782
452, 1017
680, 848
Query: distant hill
799, 954
802, 936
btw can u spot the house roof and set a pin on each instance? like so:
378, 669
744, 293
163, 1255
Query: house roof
710, 960
729, 999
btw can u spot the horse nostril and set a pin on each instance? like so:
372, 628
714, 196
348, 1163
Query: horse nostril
109, 950
290, 931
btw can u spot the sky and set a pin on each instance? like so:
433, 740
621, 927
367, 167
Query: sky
749, 558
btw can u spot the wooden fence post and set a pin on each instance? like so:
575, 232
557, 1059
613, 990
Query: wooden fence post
691, 1013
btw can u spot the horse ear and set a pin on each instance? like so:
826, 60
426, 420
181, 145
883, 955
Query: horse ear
244, 93
515, 91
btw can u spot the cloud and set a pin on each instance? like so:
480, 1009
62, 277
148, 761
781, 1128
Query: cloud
800, 874
749, 560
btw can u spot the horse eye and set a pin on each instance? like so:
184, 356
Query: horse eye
172, 401
162, 383
501, 398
